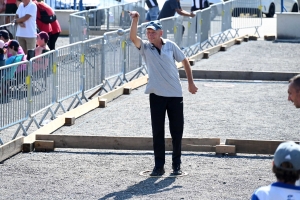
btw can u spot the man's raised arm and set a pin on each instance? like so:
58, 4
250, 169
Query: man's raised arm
133, 28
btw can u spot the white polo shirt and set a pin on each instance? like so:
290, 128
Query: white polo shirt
162, 71
29, 31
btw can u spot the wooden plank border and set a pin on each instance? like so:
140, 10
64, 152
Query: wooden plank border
254, 146
126, 143
240, 75
11, 148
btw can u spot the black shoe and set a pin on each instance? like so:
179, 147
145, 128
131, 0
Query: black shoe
157, 171
176, 170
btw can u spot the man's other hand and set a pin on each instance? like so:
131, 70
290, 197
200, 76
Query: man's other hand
192, 88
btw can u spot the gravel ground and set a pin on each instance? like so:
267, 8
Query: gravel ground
225, 109
255, 56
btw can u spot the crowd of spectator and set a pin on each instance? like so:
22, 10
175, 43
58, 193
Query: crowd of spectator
37, 30
33, 34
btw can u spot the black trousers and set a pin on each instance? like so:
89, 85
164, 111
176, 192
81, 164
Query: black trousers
174, 107
52, 40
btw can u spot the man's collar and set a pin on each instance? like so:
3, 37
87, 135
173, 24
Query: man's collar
162, 42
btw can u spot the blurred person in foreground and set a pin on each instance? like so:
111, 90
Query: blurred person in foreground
164, 89
286, 167
294, 95
26, 21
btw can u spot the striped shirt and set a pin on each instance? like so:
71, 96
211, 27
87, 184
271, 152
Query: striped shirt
162, 70
277, 191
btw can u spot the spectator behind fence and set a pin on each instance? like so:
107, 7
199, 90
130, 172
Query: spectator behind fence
41, 63
26, 29
10, 8
199, 5
41, 41
52, 28
5, 37
2, 50
286, 167
2, 11
171, 7
18, 2
12, 49
153, 10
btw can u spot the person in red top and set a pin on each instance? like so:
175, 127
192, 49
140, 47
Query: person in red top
54, 34
52, 29
41, 25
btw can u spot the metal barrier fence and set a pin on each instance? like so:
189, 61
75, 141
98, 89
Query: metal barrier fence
57, 79
14, 95
69, 70
109, 18
78, 27
41, 87
131, 62
11, 28
113, 57
246, 14
6, 18
94, 67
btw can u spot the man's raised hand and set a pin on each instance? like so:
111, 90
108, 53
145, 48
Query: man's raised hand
134, 14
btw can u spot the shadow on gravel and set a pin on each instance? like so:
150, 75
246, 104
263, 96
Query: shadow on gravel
146, 187
251, 156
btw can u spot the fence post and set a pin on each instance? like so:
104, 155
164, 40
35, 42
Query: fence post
123, 55
83, 75
29, 86
107, 19
103, 60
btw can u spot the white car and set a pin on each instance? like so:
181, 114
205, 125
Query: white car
267, 7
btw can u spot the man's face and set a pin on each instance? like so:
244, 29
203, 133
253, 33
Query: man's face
153, 36
294, 95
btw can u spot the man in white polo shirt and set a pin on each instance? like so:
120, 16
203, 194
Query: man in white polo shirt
26, 29
164, 89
